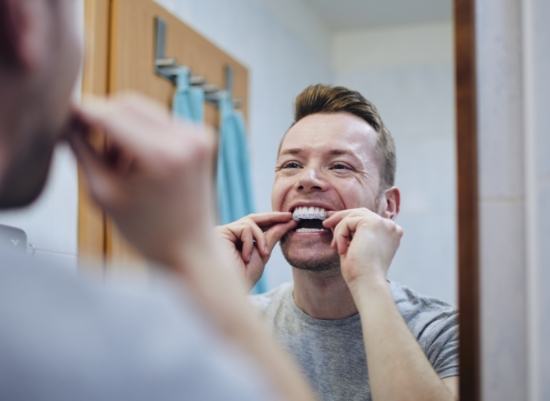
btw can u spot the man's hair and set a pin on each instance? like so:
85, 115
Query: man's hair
333, 99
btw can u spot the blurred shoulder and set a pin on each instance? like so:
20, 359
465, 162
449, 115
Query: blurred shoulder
274, 298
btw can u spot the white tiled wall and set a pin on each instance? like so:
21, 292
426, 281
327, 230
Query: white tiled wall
502, 201
514, 126
537, 65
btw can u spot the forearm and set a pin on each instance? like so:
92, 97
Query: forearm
398, 368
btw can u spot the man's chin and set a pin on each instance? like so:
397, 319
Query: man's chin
310, 255
318, 264
24, 183
11, 199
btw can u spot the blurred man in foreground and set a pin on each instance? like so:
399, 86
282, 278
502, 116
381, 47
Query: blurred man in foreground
65, 338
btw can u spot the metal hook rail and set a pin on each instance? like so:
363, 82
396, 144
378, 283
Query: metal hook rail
168, 68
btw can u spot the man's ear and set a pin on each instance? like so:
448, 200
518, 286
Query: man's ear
390, 203
22, 33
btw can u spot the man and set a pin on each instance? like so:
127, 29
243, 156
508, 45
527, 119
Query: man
66, 338
356, 335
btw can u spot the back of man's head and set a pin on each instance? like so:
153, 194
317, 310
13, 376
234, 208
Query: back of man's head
334, 99
39, 60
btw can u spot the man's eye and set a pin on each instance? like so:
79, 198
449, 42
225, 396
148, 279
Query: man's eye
340, 166
291, 165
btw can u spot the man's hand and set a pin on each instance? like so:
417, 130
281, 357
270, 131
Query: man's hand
155, 181
398, 368
155, 178
252, 238
366, 243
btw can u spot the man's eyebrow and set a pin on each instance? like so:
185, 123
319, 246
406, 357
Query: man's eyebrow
291, 151
345, 152
341, 152
332, 153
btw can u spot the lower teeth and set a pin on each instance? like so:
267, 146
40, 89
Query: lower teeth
309, 230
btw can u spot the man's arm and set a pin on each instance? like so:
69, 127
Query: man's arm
398, 368
155, 183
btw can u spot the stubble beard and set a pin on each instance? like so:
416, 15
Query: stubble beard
319, 264
25, 178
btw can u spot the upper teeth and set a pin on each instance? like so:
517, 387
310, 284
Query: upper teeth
309, 213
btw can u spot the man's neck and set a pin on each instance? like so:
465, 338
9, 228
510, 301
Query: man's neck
323, 295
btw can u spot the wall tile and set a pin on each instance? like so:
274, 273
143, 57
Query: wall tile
500, 99
503, 300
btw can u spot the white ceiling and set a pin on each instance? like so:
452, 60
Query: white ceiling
343, 15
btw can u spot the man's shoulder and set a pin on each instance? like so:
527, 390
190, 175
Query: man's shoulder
151, 331
407, 297
272, 299
56, 305
31, 286
424, 314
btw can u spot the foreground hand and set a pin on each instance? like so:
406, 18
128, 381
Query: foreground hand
154, 181
252, 238
366, 243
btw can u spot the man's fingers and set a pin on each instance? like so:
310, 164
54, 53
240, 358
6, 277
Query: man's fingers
118, 125
149, 134
89, 158
99, 177
247, 244
335, 218
343, 233
261, 242
275, 233
157, 143
269, 218
253, 225
342, 236
144, 108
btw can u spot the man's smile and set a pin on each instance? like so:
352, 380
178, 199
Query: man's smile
310, 217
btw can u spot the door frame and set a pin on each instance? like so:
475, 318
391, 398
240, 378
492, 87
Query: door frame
468, 265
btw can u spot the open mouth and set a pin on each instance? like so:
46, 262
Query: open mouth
309, 219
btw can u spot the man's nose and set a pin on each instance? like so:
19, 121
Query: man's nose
311, 180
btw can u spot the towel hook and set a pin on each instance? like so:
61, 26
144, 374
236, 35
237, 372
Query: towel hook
168, 68
164, 66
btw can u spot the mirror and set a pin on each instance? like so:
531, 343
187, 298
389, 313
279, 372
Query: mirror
399, 55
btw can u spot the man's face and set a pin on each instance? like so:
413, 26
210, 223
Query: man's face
328, 161
49, 47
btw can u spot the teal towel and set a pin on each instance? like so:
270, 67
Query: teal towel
188, 101
234, 188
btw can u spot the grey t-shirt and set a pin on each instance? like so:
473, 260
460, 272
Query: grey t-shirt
66, 338
331, 352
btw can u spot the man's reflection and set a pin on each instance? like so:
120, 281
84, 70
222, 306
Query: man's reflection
357, 335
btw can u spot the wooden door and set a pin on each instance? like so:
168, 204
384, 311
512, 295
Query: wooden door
120, 57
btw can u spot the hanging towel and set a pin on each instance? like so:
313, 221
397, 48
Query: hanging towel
188, 101
233, 182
